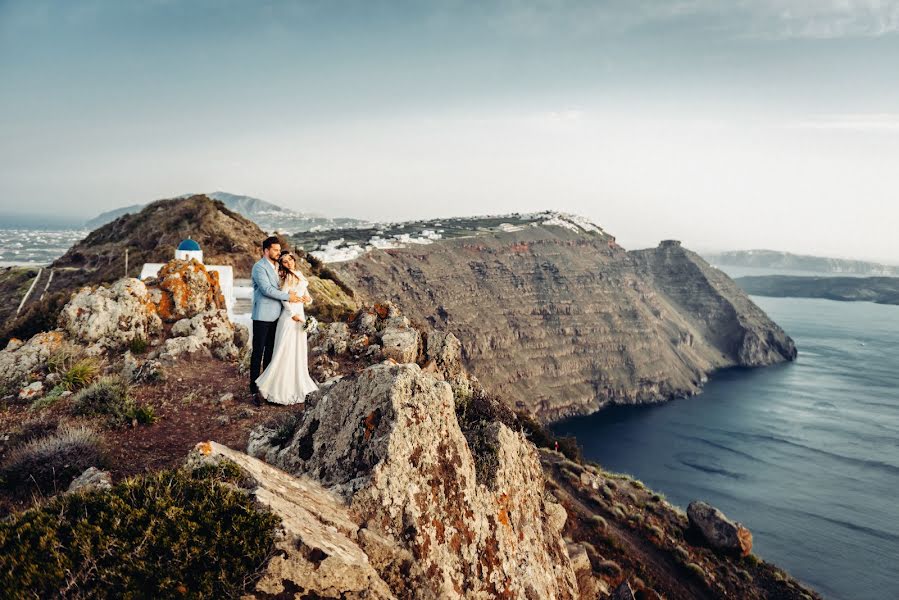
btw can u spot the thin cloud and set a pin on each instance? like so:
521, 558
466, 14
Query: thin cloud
882, 123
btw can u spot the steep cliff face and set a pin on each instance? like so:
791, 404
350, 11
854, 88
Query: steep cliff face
388, 441
560, 320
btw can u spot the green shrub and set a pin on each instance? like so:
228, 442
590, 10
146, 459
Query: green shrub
682, 554
138, 345
109, 397
610, 568
48, 400
144, 414
618, 511
80, 374
599, 522
283, 427
63, 358
696, 570
49, 463
172, 534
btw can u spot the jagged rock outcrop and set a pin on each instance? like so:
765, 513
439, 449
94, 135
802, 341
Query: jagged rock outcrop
318, 550
184, 289
560, 320
110, 318
19, 359
721, 533
715, 306
388, 441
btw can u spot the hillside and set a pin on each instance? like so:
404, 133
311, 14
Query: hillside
557, 317
149, 236
270, 217
786, 261
882, 290
402, 477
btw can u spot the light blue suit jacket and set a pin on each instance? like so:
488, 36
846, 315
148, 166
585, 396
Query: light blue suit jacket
267, 295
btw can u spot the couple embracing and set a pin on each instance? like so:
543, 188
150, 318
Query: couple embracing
279, 328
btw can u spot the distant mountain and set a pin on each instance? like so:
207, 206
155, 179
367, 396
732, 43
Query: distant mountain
773, 259
882, 290
268, 216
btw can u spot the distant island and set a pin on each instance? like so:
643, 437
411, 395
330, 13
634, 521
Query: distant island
882, 290
774, 259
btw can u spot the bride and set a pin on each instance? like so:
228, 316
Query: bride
286, 379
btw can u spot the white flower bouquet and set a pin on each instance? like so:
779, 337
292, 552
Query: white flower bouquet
310, 325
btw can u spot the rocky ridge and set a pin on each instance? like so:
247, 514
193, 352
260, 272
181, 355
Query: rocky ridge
559, 320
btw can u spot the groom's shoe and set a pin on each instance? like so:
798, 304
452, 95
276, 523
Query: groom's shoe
257, 400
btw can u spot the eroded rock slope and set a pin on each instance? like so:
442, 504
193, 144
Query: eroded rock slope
561, 320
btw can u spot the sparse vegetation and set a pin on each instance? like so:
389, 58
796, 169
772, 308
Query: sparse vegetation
48, 463
696, 570
110, 397
63, 358
165, 535
49, 399
138, 345
80, 374
599, 522
284, 426
610, 568
37, 317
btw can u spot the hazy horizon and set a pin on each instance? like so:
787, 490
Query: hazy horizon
741, 125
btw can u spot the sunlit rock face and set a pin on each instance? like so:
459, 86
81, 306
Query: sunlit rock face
561, 320
388, 441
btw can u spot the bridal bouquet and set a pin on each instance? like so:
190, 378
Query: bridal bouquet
311, 325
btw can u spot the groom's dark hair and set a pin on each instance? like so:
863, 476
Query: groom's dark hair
267, 242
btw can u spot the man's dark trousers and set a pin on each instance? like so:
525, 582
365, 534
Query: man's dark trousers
263, 348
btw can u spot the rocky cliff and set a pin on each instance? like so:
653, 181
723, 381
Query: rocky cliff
560, 320
401, 477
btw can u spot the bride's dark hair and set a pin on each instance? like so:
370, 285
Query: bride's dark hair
284, 272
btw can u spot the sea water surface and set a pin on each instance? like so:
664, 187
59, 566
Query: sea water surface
806, 454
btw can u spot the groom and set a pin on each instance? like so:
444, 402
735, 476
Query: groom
267, 297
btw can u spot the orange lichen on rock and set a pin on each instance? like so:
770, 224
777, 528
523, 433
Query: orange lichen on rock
204, 448
745, 537
187, 289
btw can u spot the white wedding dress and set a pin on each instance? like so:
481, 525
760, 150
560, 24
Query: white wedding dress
286, 380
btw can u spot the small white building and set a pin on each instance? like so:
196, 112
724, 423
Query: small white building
189, 249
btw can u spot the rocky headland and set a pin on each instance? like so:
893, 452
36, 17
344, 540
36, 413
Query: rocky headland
133, 462
560, 320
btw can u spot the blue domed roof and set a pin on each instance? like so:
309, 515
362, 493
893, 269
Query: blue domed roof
189, 245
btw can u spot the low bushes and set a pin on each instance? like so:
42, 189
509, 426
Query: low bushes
111, 397
172, 534
80, 374
48, 463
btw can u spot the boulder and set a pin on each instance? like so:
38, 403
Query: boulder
18, 360
92, 479
721, 533
175, 348
213, 330
184, 289
400, 344
445, 350
110, 318
32, 391
317, 552
588, 584
387, 441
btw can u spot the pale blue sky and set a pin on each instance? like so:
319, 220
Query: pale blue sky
726, 124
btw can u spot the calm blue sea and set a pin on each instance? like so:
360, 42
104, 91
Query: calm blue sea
806, 454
